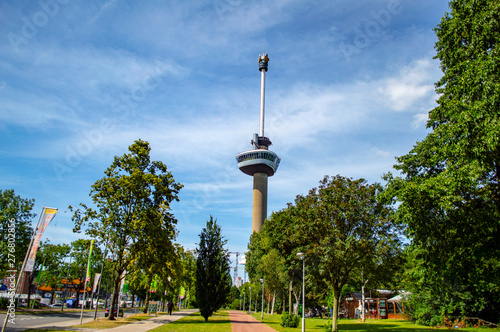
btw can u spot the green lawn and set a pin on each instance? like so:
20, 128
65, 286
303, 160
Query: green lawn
219, 322
105, 323
354, 325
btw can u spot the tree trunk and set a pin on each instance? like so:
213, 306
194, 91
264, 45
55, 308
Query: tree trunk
274, 300
146, 302
335, 315
297, 301
284, 302
114, 298
290, 306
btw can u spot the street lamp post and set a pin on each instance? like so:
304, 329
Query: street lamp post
244, 299
262, 308
250, 307
302, 257
363, 300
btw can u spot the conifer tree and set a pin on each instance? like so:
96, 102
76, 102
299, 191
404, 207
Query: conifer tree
213, 281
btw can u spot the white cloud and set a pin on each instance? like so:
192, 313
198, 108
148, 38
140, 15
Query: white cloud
413, 84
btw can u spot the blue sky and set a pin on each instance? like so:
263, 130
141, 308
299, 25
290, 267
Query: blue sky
348, 88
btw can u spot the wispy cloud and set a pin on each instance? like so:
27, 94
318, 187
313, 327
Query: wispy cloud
414, 83
183, 75
108, 5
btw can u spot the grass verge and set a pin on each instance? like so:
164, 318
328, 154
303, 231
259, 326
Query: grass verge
46, 330
104, 323
354, 325
219, 322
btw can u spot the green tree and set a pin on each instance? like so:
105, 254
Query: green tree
282, 233
213, 279
16, 209
187, 273
52, 256
132, 210
264, 261
350, 230
449, 190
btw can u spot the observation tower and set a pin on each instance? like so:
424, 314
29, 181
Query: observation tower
259, 162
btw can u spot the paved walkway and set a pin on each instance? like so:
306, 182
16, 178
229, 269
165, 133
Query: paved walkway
149, 324
243, 322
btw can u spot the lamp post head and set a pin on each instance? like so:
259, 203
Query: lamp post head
301, 255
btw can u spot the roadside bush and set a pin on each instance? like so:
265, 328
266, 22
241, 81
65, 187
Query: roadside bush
3, 302
35, 304
288, 320
235, 305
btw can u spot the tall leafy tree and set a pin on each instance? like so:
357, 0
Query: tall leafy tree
187, 272
449, 190
52, 256
281, 233
17, 209
213, 279
265, 261
350, 230
132, 210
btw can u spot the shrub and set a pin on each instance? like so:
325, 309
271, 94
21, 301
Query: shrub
34, 304
328, 326
235, 305
4, 302
288, 320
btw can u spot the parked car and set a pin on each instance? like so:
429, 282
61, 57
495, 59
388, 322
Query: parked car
106, 313
56, 305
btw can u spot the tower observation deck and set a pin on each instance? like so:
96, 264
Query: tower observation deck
259, 162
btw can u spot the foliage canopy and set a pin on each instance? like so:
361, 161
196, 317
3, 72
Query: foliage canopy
449, 191
132, 213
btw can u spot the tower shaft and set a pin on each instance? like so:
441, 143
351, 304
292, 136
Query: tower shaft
259, 210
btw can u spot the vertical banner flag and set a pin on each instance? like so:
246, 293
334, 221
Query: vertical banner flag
88, 263
96, 282
122, 283
47, 215
154, 284
125, 287
39, 276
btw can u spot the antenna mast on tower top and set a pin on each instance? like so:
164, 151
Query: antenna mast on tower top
263, 61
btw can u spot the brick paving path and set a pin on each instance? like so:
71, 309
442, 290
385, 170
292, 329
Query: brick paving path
243, 322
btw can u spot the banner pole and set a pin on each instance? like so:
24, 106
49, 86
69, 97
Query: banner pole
86, 277
99, 285
22, 266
